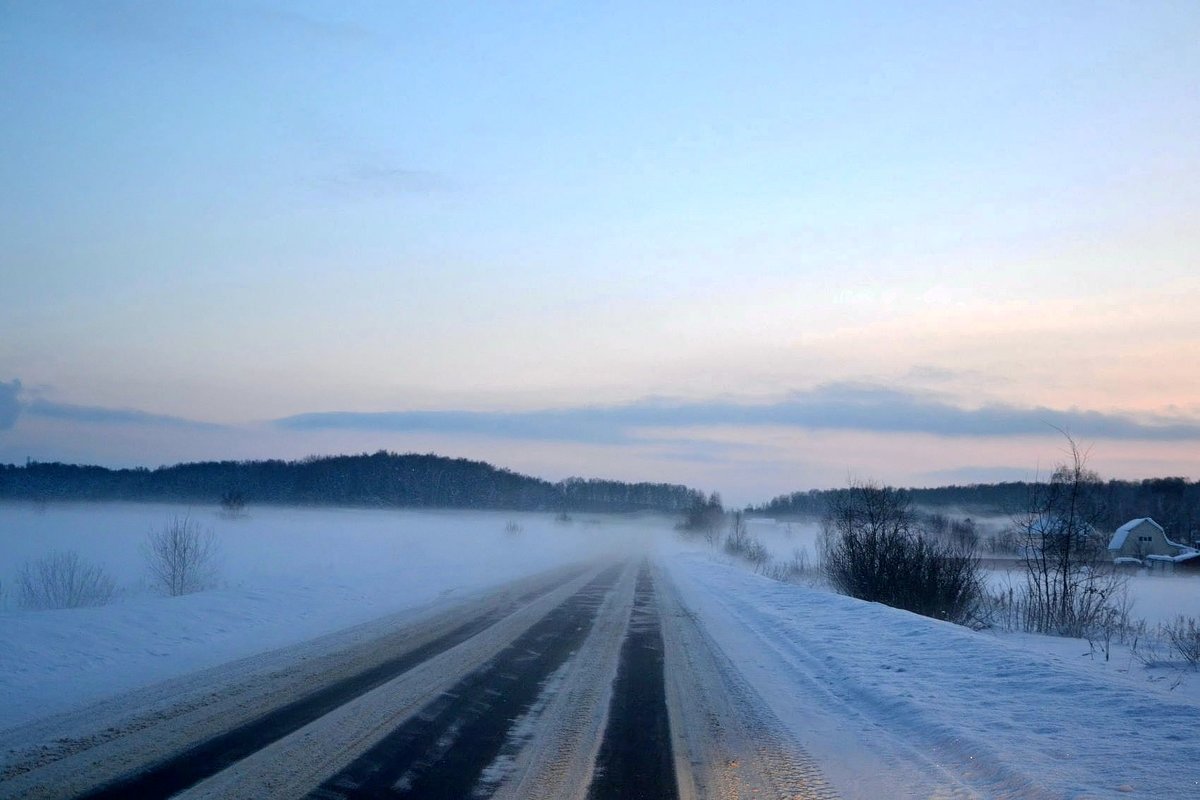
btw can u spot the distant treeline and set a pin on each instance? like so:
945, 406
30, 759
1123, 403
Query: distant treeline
1172, 502
382, 479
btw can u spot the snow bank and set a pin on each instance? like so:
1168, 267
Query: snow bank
893, 704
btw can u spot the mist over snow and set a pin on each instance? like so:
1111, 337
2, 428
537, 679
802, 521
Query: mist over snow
285, 575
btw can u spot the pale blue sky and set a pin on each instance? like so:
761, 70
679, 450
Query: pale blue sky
235, 213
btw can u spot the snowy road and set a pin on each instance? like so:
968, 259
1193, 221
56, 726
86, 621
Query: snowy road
553, 687
670, 677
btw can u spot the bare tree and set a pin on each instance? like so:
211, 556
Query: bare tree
704, 517
1070, 586
233, 503
181, 557
63, 580
738, 538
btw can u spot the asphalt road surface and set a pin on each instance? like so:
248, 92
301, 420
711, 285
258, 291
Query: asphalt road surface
591, 682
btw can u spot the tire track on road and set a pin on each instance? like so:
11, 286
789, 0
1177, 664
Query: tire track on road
551, 753
728, 744
442, 751
635, 759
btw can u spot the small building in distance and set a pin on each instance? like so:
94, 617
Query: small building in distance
1187, 562
1143, 538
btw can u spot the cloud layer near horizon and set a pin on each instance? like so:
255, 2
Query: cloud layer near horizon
12, 406
854, 407
849, 407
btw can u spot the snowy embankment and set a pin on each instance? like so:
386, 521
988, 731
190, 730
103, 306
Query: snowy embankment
891, 704
286, 576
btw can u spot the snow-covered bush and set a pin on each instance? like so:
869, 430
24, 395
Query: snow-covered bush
63, 580
181, 557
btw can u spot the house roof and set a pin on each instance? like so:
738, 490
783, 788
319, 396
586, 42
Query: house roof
1118, 539
1188, 556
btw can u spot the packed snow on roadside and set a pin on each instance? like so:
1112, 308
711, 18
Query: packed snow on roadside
285, 576
896, 705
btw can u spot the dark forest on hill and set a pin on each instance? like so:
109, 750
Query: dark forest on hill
381, 479
1172, 502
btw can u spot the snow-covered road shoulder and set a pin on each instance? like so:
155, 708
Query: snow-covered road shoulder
894, 704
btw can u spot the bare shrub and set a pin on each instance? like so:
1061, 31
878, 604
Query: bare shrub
1183, 634
1102, 616
63, 580
1145, 647
793, 570
181, 557
873, 550
739, 543
513, 528
757, 554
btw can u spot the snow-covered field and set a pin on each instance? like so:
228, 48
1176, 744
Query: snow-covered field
286, 575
